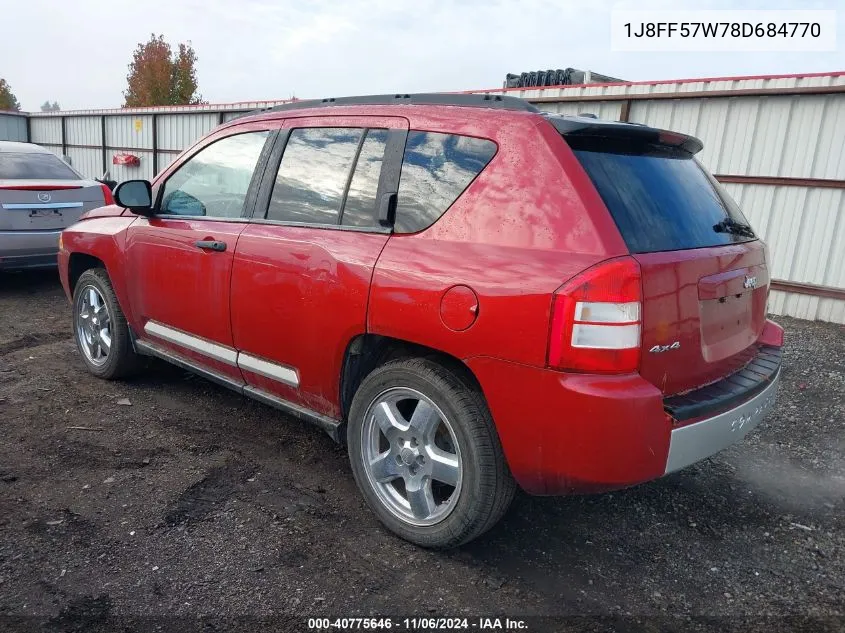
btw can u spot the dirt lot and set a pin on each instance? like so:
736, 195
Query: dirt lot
193, 501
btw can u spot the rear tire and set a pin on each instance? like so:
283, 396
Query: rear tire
426, 455
100, 329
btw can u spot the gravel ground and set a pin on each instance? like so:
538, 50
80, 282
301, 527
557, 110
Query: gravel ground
183, 499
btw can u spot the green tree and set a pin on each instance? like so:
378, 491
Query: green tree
50, 107
8, 100
184, 76
157, 77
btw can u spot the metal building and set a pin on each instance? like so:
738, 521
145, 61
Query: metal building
776, 142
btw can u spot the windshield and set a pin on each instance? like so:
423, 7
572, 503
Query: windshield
34, 166
661, 199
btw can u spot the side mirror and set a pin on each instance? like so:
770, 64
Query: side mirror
135, 195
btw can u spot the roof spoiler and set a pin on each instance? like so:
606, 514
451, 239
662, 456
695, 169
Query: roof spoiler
588, 127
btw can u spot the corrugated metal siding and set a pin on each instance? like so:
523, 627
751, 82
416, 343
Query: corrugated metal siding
46, 130
88, 162
12, 127
134, 132
178, 131
83, 131
793, 137
804, 228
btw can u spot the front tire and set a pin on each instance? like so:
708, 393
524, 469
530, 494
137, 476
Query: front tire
100, 329
426, 455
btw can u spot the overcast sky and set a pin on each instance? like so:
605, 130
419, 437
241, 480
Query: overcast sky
77, 52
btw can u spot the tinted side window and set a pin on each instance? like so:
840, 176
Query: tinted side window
313, 174
360, 206
435, 171
214, 181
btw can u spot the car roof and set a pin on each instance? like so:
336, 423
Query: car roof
22, 148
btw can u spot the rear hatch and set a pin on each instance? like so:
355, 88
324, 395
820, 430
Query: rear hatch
704, 274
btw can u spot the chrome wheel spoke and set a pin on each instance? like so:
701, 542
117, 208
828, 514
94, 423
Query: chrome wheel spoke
425, 420
389, 420
445, 467
421, 498
104, 339
385, 468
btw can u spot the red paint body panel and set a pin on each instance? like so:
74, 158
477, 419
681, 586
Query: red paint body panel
179, 285
691, 297
101, 237
575, 432
299, 296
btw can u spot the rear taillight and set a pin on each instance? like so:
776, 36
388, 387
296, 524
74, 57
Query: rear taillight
108, 198
596, 319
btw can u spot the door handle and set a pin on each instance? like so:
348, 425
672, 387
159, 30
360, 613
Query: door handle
210, 245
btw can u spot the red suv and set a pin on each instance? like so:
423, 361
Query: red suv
471, 293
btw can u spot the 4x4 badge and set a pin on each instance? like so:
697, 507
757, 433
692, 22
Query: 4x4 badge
750, 282
665, 348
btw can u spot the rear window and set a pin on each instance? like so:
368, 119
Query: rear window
661, 199
33, 166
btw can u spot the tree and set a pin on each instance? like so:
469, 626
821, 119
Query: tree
8, 101
185, 76
50, 107
157, 77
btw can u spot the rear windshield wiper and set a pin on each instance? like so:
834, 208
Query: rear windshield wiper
729, 225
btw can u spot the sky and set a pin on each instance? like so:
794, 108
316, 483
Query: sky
77, 52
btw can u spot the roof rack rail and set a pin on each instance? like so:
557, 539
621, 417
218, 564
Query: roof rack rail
500, 102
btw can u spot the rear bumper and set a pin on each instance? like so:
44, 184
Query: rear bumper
694, 442
564, 433
28, 249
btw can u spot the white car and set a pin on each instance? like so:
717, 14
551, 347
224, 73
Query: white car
39, 196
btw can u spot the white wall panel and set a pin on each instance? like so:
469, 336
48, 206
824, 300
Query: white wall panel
46, 130
88, 162
134, 131
12, 127
799, 136
178, 131
83, 130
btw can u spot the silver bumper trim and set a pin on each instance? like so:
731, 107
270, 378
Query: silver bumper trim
697, 441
